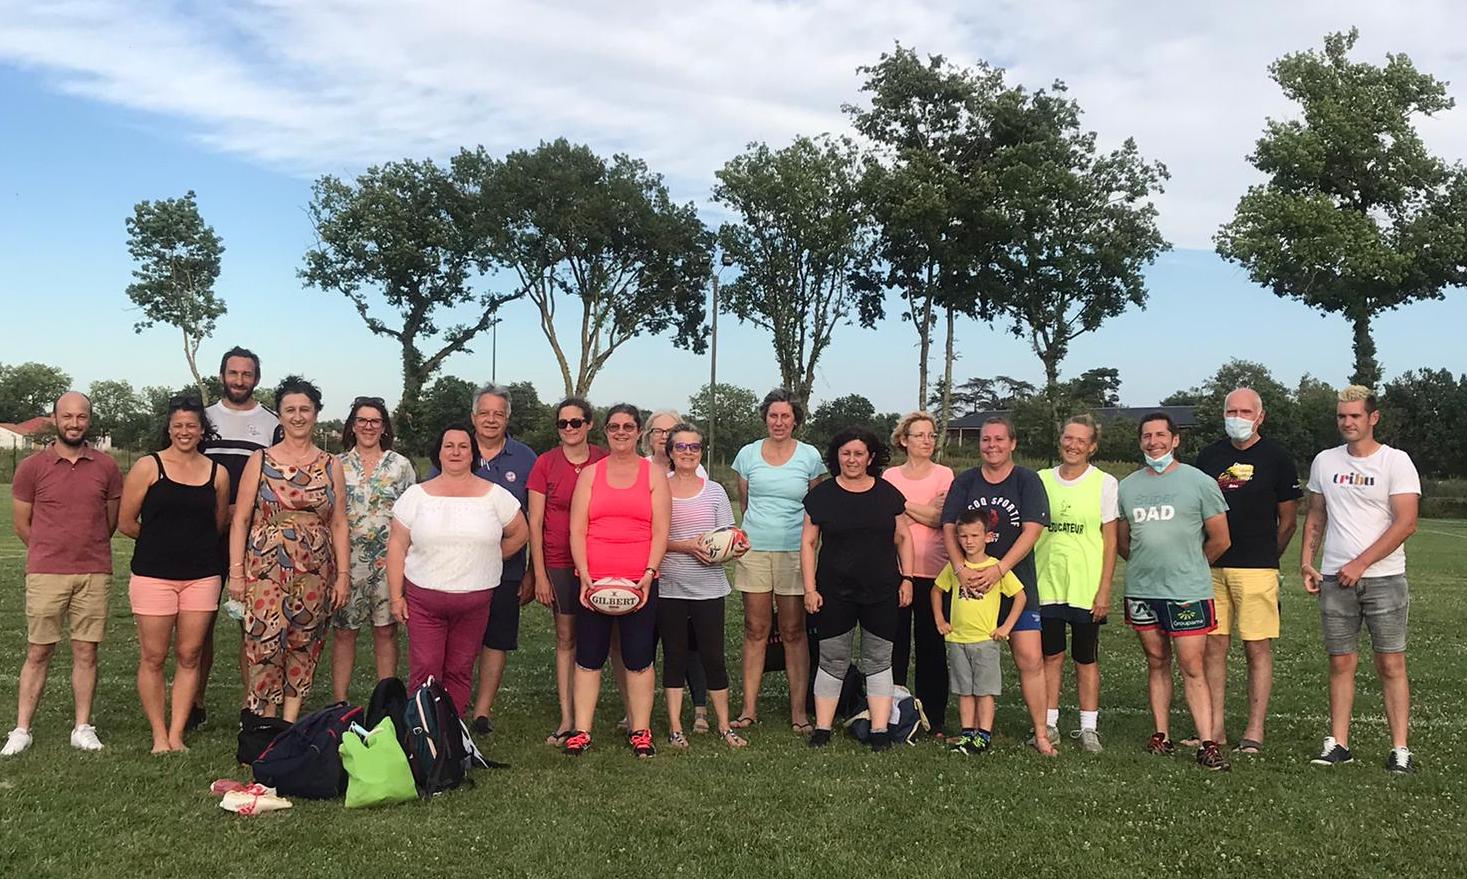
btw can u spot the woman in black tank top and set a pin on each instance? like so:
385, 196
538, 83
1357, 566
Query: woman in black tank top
174, 504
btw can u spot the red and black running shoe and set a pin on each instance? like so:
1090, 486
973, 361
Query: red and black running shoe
1212, 759
1161, 745
578, 743
641, 742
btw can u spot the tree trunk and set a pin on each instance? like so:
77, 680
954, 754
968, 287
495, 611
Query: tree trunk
945, 411
190, 353
1367, 368
1051, 393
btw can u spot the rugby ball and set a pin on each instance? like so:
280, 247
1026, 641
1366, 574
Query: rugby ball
615, 596
722, 544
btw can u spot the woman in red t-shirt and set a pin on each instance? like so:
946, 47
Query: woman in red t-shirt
551, 484
619, 522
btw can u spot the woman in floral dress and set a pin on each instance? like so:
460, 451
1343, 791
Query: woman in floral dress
376, 477
283, 555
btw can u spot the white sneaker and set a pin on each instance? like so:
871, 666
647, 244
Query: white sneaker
84, 738
18, 740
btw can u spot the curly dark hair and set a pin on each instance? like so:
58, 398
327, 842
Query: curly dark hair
880, 454
294, 384
349, 434
437, 447
187, 403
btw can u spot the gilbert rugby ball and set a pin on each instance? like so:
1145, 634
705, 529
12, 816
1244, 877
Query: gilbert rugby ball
615, 596
723, 544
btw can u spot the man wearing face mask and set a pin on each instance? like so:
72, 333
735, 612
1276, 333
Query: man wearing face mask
1261, 485
1173, 525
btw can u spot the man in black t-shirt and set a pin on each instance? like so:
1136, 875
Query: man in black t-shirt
1261, 484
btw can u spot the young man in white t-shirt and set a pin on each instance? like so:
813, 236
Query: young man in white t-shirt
1364, 498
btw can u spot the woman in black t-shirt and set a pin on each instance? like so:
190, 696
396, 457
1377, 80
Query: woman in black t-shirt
174, 504
855, 527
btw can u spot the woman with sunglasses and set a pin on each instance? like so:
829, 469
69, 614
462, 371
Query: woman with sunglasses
692, 587
376, 477
551, 485
618, 528
175, 503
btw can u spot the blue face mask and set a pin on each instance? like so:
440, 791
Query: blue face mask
1240, 429
1159, 464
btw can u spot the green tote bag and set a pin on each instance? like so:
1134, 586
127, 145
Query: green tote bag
377, 770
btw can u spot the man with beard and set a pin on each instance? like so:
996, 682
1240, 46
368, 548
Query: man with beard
244, 427
65, 509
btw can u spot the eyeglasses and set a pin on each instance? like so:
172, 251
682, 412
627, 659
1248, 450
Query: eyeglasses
661, 430
569, 423
621, 428
687, 447
368, 422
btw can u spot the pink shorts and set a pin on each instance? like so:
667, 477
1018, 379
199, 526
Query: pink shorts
156, 597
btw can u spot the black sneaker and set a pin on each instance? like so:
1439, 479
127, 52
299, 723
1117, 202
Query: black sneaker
1332, 754
197, 717
483, 725
819, 738
1160, 745
879, 741
1400, 761
1212, 759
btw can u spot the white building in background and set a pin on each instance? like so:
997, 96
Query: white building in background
25, 435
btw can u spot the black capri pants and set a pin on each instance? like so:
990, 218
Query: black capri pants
1084, 639
637, 632
702, 618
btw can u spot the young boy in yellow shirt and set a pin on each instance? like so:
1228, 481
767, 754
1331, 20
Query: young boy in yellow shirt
973, 635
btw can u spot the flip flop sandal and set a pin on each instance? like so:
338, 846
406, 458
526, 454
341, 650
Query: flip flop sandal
700, 723
743, 721
1249, 746
559, 737
1191, 742
803, 729
677, 740
733, 739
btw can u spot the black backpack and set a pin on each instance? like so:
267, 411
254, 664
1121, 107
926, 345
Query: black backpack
255, 735
389, 700
439, 748
305, 760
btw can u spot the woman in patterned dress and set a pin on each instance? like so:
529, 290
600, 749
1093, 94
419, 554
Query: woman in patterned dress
283, 555
376, 477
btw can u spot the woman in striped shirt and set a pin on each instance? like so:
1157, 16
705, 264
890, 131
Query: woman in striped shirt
692, 587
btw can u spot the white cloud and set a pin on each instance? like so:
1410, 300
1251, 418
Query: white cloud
308, 86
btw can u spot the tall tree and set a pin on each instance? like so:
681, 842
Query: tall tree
177, 256
30, 389
118, 412
801, 236
1084, 226
606, 233
1356, 218
736, 413
930, 188
410, 231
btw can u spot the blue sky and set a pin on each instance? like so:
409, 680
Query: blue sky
110, 102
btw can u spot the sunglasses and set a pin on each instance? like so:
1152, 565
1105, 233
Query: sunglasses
687, 447
621, 428
185, 399
570, 423
375, 401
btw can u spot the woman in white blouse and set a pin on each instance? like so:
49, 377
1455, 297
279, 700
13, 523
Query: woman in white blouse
450, 536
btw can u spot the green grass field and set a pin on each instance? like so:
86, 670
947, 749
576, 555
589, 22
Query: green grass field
774, 809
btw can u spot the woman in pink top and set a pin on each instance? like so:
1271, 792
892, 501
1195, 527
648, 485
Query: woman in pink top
618, 528
924, 484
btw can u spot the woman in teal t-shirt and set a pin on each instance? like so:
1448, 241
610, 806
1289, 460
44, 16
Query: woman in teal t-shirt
774, 475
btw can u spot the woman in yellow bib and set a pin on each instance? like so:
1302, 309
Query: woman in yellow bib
1076, 557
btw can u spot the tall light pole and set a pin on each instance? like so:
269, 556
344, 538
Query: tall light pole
713, 361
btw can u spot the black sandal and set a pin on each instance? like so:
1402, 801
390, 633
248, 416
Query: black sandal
559, 737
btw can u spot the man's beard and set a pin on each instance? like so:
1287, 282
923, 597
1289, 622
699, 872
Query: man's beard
236, 397
72, 443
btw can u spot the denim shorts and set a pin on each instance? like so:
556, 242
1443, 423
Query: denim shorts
1382, 603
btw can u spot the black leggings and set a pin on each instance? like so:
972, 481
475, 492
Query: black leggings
1084, 639
638, 635
931, 683
675, 617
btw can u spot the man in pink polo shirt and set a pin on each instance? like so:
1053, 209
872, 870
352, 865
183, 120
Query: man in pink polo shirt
65, 509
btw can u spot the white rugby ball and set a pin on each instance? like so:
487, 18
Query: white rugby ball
722, 544
615, 596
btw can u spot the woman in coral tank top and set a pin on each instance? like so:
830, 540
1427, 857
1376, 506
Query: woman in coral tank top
619, 523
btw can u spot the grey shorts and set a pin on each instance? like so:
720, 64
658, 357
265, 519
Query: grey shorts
973, 670
1381, 603
566, 587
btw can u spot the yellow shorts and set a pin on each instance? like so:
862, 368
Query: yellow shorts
80, 598
762, 571
1250, 596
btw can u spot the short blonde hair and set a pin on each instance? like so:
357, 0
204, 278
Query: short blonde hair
1358, 394
646, 434
905, 425
1084, 419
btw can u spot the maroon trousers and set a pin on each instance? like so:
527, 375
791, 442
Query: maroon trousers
445, 630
